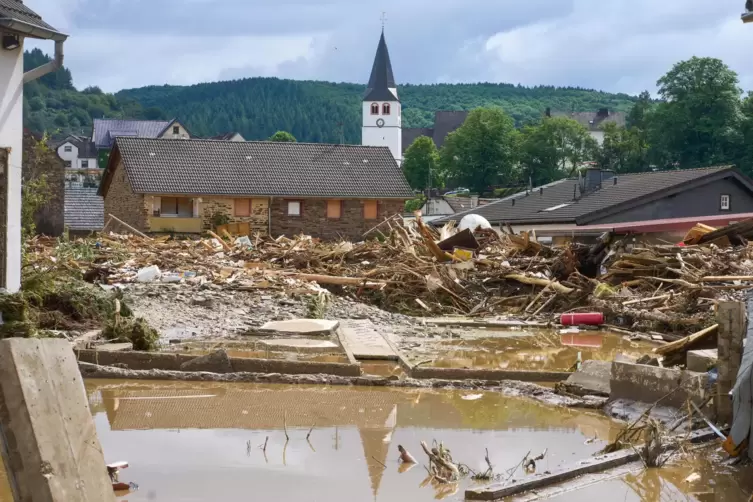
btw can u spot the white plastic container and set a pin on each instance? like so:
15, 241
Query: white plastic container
148, 274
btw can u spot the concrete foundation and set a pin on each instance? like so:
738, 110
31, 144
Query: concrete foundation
50, 445
649, 384
592, 378
464, 374
173, 362
700, 360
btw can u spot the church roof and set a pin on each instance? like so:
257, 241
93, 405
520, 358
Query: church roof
382, 79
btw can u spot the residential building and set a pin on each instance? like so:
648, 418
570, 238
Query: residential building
84, 211
382, 111
445, 122
327, 191
77, 152
229, 136
593, 121
604, 198
17, 22
442, 206
105, 131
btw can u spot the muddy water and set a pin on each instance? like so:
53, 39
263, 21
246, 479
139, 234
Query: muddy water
543, 350
202, 442
268, 354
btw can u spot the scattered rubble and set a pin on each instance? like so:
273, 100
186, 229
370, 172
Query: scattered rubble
644, 288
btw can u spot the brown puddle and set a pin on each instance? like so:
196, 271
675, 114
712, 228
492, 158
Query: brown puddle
701, 477
541, 350
269, 354
202, 441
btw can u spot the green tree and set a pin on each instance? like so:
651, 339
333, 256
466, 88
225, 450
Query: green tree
624, 150
421, 162
554, 149
698, 122
283, 136
483, 151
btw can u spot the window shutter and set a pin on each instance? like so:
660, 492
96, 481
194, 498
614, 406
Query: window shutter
196, 207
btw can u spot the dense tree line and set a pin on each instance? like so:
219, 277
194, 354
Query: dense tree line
702, 119
329, 112
52, 104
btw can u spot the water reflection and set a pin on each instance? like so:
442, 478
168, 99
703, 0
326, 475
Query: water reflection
196, 442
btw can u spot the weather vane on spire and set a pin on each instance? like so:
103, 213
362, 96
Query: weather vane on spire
384, 19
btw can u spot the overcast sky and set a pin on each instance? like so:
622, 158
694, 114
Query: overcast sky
613, 45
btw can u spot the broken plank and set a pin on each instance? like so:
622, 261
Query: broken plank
364, 340
588, 466
556, 286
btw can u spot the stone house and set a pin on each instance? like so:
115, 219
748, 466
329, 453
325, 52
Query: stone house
327, 191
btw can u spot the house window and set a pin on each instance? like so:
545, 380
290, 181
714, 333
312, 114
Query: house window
375, 108
176, 130
295, 208
181, 207
724, 202
85, 164
68, 148
370, 209
386, 109
334, 209
243, 207
67, 163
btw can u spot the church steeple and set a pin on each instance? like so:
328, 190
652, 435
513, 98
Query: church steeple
382, 85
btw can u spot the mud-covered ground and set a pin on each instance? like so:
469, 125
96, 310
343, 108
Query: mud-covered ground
181, 311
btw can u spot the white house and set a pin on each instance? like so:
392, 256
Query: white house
17, 22
382, 111
77, 152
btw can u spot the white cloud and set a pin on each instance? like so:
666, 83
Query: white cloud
621, 45
614, 45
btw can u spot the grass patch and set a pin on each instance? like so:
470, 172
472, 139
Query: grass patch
134, 330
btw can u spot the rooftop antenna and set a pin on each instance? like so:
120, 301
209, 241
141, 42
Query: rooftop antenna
384, 19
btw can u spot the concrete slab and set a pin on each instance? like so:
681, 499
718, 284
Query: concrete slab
114, 347
50, 445
701, 360
302, 326
649, 384
301, 344
216, 362
593, 378
364, 341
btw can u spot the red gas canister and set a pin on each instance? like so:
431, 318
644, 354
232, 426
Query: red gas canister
584, 318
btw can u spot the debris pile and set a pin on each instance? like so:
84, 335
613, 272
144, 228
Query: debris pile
421, 271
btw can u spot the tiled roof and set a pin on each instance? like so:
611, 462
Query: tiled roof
84, 209
15, 9
460, 204
411, 134
446, 122
382, 79
106, 130
228, 136
557, 201
264, 168
593, 120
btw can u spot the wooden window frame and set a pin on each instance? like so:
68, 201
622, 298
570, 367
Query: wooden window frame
235, 208
67, 148
375, 106
176, 130
386, 109
729, 202
85, 164
342, 207
176, 214
300, 208
376, 217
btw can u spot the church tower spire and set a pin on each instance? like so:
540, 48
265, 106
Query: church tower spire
382, 112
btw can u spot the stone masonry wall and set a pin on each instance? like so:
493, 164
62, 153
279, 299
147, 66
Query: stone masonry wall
314, 221
259, 219
124, 204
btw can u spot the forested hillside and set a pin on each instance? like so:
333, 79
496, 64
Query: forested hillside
53, 105
258, 107
322, 111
